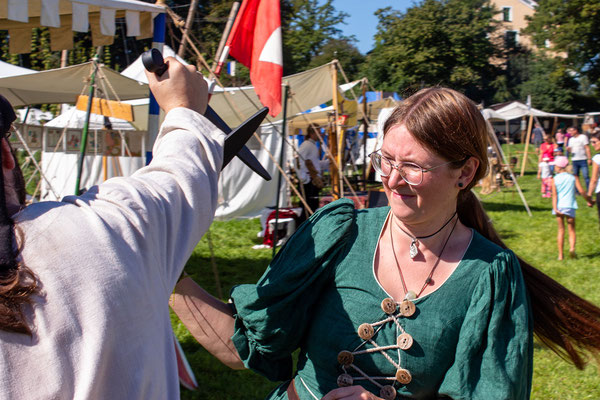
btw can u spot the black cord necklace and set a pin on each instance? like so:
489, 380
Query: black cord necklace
414, 249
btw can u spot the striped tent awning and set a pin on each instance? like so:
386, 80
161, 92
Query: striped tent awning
63, 17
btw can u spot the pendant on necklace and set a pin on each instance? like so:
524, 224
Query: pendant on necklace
414, 250
410, 295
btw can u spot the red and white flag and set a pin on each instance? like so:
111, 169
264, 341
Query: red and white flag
255, 41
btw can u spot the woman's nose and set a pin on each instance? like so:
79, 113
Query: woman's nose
395, 179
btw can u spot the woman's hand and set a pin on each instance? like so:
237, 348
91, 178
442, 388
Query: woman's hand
350, 393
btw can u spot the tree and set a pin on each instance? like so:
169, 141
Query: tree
345, 52
572, 28
309, 27
438, 42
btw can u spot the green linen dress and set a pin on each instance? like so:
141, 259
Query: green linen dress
472, 337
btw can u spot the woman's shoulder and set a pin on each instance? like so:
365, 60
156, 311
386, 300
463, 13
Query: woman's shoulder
596, 158
486, 251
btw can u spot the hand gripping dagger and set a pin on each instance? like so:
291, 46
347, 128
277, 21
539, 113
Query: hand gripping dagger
237, 138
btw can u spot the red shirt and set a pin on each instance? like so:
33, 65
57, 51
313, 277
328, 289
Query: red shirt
547, 151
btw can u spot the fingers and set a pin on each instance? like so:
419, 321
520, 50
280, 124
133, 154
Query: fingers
179, 86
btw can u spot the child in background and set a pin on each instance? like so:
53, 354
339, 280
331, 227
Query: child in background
560, 139
564, 203
545, 175
547, 151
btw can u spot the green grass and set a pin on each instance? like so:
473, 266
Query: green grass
533, 238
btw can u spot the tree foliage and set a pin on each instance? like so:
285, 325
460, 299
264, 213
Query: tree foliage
313, 24
438, 42
573, 28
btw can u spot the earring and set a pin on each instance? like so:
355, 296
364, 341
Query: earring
460, 184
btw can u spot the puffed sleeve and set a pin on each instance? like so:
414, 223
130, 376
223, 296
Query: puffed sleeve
272, 315
494, 354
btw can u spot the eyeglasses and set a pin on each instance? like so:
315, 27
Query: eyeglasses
410, 172
594, 141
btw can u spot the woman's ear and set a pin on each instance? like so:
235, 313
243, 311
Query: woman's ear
8, 161
467, 171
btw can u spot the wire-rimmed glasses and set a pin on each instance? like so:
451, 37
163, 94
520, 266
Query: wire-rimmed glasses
411, 173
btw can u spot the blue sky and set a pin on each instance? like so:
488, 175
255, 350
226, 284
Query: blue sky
362, 22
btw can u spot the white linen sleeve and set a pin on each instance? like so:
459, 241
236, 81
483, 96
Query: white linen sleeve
163, 209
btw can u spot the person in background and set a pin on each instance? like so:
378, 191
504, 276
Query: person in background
538, 135
85, 281
560, 139
420, 299
547, 151
311, 167
594, 186
579, 147
545, 175
564, 204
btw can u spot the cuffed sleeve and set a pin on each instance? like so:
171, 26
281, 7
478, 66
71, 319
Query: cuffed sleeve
494, 353
273, 314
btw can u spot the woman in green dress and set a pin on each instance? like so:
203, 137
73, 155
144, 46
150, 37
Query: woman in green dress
420, 299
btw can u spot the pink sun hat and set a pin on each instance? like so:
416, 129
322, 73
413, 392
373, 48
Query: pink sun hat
561, 161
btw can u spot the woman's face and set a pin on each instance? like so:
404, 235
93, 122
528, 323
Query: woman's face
434, 199
595, 143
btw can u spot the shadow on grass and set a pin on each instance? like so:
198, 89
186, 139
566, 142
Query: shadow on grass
489, 206
591, 255
506, 234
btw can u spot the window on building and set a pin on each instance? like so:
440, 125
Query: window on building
511, 38
507, 14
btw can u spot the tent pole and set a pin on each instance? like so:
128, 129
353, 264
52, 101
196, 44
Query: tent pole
512, 176
365, 134
188, 24
336, 182
86, 124
283, 133
527, 139
218, 63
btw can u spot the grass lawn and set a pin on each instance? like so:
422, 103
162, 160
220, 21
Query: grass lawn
533, 238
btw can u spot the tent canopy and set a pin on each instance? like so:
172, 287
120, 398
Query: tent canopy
63, 85
7, 69
74, 118
517, 110
64, 16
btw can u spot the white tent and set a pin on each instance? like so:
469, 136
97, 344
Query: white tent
74, 118
35, 116
517, 109
7, 69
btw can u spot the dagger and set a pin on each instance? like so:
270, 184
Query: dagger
235, 142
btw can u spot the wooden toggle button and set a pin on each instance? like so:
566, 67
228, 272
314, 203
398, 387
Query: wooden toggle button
344, 380
405, 341
366, 331
345, 357
403, 376
407, 308
388, 306
387, 392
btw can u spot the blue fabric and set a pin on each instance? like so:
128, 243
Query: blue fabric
581, 165
565, 190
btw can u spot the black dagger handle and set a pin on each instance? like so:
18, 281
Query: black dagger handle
234, 144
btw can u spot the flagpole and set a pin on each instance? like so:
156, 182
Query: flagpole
283, 135
222, 52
